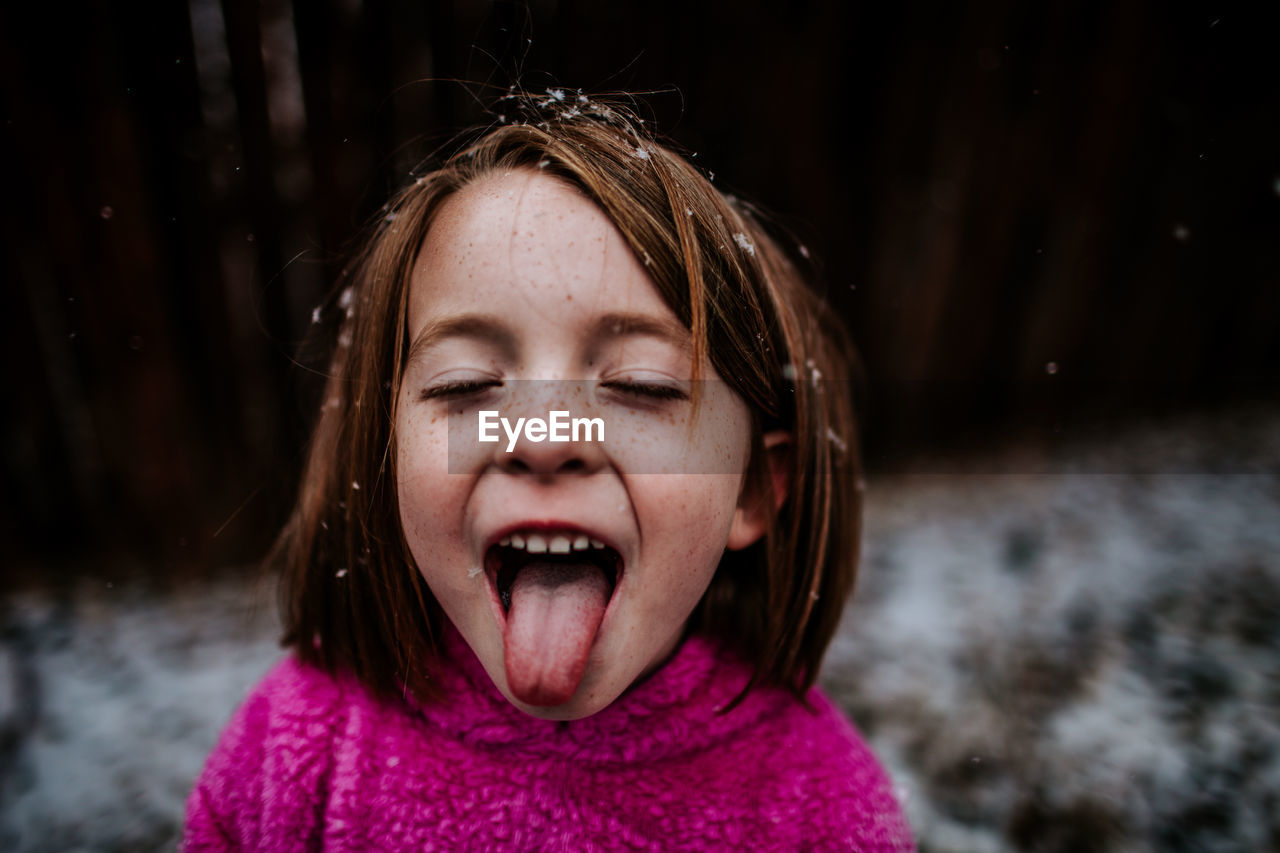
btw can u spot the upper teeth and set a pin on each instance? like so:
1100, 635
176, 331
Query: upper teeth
560, 543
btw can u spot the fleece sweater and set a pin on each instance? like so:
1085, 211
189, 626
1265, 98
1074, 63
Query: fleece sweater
312, 761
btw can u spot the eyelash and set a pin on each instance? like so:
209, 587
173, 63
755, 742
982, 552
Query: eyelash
466, 387
651, 391
460, 388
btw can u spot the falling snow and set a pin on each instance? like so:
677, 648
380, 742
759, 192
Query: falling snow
346, 301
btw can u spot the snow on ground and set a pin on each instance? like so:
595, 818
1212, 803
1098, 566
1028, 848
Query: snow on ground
1081, 660
1087, 659
121, 695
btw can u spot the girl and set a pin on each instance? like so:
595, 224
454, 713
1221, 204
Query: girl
606, 642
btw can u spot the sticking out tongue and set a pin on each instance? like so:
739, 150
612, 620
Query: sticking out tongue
556, 610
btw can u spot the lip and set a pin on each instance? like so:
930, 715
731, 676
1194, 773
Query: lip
547, 526
499, 612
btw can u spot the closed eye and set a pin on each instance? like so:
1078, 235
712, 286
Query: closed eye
459, 388
649, 390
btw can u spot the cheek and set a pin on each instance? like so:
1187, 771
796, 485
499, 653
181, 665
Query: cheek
696, 511
698, 520
431, 516
723, 428
423, 484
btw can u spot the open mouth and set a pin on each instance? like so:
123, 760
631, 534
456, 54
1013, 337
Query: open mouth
554, 587
570, 549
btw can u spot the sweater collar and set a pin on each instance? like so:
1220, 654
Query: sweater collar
676, 709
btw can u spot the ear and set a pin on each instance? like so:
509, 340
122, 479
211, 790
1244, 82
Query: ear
755, 511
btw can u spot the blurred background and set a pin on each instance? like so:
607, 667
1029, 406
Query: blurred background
1051, 228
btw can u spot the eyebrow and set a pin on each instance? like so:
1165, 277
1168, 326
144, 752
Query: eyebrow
490, 329
620, 325
480, 327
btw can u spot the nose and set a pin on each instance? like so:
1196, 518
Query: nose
565, 437
553, 451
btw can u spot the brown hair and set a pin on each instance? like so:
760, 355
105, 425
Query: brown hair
351, 594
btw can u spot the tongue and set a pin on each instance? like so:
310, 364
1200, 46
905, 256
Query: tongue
556, 610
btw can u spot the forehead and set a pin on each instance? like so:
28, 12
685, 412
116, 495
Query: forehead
520, 241
495, 211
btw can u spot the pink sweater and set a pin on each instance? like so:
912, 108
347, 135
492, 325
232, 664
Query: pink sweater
310, 761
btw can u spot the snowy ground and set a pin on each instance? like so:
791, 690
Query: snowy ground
1087, 659
121, 694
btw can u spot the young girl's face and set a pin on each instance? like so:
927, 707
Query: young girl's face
523, 278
